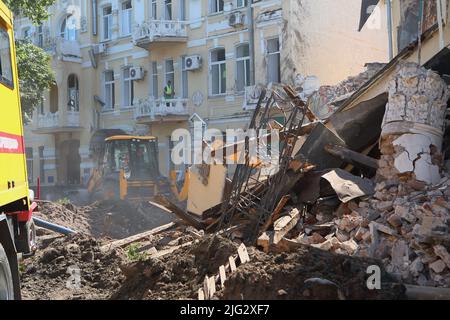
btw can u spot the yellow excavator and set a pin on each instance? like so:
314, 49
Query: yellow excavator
128, 169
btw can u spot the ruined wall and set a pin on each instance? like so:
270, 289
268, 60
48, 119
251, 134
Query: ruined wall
324, 40
413, 126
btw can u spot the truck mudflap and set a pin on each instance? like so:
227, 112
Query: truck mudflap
10, 249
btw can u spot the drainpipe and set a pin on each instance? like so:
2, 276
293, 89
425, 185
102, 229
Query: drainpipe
251, 29
389, 25
94, 17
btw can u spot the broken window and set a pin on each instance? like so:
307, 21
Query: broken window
215, 6
126, 17
128, 88
273, 61
242, 67
73, 93
107, 23
218, 72
110, 95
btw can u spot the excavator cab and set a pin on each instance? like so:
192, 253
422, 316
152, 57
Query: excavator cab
128, 169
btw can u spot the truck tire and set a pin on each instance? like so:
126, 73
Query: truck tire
27, 242
6, 281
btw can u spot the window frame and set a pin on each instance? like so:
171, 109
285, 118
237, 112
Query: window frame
268, 54
245, 60
216, 4
129, 12
77, 90
131, 88
66, 33
9, 83
111, 83
243, 5
153, 9
172, 72
222, 91
107, 18
184, 79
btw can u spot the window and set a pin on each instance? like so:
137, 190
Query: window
215, 6
41, 164
184, 79
273, 61
218, 72
241, 3
170, 72
41, 109
29, 155
128, 88
183, 10
73, 93
153, 9
5, 58
40, 36
242, 67
154, 80
126, 18
26, 33
168, 9
69, 28
107, 23
110, 94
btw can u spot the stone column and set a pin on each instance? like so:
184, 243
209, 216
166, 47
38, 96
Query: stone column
412, 129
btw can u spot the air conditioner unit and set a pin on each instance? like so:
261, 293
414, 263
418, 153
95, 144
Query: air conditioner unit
137, 73
99, 48
236, 19
193, 62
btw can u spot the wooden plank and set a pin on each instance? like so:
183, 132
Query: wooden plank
232, 264
127, 241
285, 224
163, 253
206, 288
201, 294
212, 287
276, 213
223, 276
243, 254
352, 157
190, 219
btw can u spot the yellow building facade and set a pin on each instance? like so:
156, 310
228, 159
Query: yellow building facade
152, 66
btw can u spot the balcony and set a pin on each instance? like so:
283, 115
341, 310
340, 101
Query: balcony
150, 109
67, 50
68, 121
157, 31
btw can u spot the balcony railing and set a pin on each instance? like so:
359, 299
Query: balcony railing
152, 108
62, 47
160, 30
70, 119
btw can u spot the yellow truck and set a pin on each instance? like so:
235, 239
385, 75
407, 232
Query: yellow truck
16, 201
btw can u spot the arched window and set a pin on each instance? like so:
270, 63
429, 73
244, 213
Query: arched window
69, 28
73, 93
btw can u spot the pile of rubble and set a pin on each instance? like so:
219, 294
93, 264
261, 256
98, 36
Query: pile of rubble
324, 101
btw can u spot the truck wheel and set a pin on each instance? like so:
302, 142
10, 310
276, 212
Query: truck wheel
6, 282
31, 238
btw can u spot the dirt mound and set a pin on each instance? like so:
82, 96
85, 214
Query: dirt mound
110, 219
121, 219
64, 214
48, 274
178, 275
309, 273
